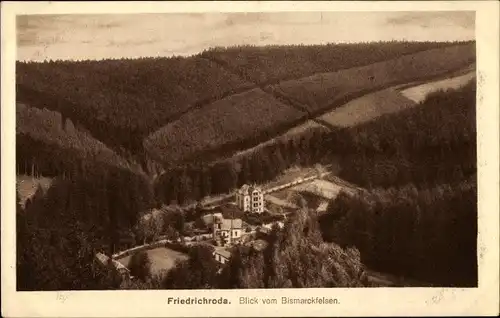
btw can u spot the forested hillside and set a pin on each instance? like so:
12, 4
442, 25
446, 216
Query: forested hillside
50, 145
143, 95
272, 64
61, 230
428, 234
326, 91
232, 122
121, 101
432, 143
418, 217
194, 181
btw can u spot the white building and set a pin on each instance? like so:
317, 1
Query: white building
226, 231
222, 255
250, 199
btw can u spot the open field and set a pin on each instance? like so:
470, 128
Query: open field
273, 200
286, 198
367, 107
327, 90
162, 259
271, 64
390, 100
321, 188
420, 92
283, 195
224, 123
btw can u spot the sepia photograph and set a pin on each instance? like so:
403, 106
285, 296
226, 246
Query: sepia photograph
246, 151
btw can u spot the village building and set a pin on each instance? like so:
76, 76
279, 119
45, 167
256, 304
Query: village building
105, 260
222, 255
250, 199
227, 231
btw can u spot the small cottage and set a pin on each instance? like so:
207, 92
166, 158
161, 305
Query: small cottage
222, 255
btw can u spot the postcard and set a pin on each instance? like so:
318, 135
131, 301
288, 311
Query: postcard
250, 159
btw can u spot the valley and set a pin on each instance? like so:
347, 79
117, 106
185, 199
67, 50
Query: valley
339, 144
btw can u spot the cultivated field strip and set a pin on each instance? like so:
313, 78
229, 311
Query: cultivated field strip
366, 108
284, 98
322, 92
234, 119
418, 93
391, 100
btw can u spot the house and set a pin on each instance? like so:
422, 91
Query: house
105, 261
226, 231
250, 199
222, 255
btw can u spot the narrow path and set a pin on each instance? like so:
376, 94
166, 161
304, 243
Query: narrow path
325, 123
